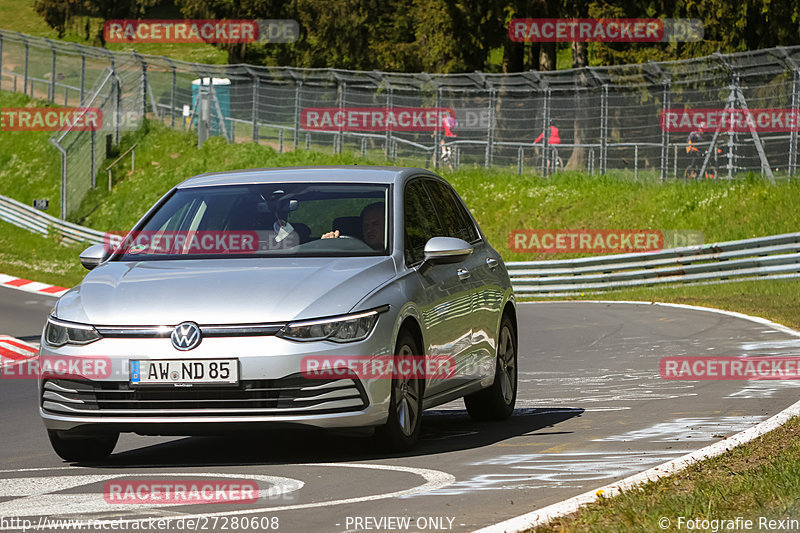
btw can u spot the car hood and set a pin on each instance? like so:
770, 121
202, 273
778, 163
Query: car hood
222, 291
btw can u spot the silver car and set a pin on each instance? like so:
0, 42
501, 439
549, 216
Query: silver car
242, 299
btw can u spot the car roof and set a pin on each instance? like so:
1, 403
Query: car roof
321, 174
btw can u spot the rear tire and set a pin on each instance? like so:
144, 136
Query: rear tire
497, 401
402, 429
80, 449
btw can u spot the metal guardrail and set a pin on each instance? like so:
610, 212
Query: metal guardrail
27, 217
776, 256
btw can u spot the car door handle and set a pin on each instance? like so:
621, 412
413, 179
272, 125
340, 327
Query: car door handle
492, 262
463, 274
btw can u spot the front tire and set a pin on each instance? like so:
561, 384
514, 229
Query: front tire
78, 449
497, 401
402, 429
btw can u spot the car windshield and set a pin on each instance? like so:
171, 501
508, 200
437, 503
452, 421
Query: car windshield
274, 220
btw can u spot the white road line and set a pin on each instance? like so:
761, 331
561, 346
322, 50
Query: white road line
570, 505
37, 493
434, 479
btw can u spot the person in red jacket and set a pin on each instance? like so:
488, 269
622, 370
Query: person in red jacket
553, 139
449, 124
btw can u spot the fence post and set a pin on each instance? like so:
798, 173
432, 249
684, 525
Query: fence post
27, 53
83, 76
793, 135
636, 162
519, 160
337, 140
51, 92
604, 130
1, 62
298, 94
94, 160
490, 128
545, 130
675, 162
144, 83
118, 105
256, 83
665, 103
389, 96
172, 94
437, 133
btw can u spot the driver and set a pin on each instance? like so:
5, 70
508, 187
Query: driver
372, 226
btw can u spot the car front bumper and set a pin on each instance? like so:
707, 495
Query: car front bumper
271, 391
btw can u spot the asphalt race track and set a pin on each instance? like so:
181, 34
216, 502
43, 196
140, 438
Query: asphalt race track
592, 409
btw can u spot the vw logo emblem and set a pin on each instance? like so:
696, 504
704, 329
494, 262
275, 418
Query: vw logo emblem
186, 336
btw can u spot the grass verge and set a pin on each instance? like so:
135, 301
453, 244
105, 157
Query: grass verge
754, 481
777, 300
32, 256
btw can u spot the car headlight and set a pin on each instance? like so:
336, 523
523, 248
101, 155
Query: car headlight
58, 333
347, 328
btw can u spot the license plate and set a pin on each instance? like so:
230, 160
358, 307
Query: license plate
185, 372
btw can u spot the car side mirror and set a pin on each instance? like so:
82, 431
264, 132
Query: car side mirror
443, 250
93, 256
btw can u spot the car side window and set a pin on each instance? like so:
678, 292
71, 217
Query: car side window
456, 221
420, 221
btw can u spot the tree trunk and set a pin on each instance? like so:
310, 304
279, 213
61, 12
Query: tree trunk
533, 57
547, 56
513, 56
580, 60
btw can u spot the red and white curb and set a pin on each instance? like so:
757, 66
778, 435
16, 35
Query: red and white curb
14, 350
31, 286
546, 514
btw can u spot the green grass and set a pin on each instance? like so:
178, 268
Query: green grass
21, 17
30, 167
32, 256
758, 479
777, 300
501, 200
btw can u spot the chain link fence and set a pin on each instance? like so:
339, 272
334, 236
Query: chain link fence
609, 118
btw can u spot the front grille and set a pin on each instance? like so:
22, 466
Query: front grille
291, 395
